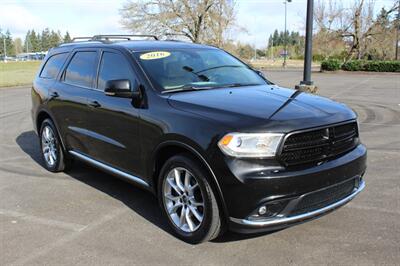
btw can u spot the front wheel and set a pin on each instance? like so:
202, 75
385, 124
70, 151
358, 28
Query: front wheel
188, 201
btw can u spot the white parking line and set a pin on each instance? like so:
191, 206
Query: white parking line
69, 237
43, 221
379, 124
13, 158
375, 209
346, 90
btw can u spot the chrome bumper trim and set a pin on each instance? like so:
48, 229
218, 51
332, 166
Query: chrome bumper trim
109, 169
301, 217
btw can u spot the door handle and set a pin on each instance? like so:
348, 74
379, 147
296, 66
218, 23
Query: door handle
54, 94
94, 104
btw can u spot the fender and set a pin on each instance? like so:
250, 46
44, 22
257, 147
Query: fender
201, 157
41, 111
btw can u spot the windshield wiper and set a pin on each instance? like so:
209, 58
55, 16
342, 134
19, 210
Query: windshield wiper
190, 70
186, 88
194, 88
207, 69
238, 85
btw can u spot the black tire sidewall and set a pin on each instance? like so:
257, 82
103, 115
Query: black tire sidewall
186, 162
56, 166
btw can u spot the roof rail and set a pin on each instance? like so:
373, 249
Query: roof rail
128, 37
81, 39
108, 38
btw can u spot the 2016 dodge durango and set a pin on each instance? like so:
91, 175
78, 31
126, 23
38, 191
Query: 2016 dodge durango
219, 145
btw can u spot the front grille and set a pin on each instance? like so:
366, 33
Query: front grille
318, 145
325, 197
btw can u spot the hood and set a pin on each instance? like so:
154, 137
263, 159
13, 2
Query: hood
257, 107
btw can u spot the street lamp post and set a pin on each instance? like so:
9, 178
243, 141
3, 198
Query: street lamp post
397, 32
284, 34
308, 46
306, 84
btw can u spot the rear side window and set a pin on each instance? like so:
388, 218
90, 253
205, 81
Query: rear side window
81, 70
53, 65
114, 66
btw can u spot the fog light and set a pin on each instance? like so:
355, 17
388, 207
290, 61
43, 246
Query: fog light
262, 210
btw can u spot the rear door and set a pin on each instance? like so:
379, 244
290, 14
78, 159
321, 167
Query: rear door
69, 98
113, 122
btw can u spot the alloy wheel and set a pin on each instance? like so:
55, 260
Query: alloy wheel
183, 200
49, 146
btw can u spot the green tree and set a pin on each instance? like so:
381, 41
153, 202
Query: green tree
54, 39
34, 41
18, 47
9, 44
1, 42
67, 38
27, 43
275, 38
45, 39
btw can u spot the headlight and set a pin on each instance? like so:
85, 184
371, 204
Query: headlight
251, 145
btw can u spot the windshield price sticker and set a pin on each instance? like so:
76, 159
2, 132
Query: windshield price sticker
155, 55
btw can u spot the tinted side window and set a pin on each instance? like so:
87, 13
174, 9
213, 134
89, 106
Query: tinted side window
114, 66
53, 65
81, 70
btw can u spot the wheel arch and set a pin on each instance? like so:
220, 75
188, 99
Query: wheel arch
43, 115
169, 148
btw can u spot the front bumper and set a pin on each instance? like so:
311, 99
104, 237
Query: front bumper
279, 222
249, 184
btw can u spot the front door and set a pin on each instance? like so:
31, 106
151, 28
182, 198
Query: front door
112, 121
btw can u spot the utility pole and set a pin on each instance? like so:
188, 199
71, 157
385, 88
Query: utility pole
308, 46
306, 84
397, 32
284, 35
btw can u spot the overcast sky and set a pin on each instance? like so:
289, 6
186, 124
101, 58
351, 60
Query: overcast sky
90, 17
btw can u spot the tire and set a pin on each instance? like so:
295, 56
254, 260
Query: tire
54, 159
199, 202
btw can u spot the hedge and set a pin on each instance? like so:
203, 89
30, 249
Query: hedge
331, 64
355, 65
382, 66
361, 65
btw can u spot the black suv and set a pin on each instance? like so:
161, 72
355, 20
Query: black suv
220, 145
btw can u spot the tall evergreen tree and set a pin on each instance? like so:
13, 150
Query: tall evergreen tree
45, 39
275, 38
27, 42
270, 41
34, 40
55, 39
1, 42
67, 37
9, 44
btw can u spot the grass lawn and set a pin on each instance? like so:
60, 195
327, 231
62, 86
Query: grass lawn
18, 73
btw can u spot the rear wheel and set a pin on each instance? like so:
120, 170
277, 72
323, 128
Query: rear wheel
188, 201
51, 148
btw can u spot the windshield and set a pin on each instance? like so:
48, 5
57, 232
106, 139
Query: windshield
196, 68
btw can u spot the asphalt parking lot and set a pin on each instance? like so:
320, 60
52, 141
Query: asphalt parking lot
85, 216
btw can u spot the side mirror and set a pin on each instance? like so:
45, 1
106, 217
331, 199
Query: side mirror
118, 88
